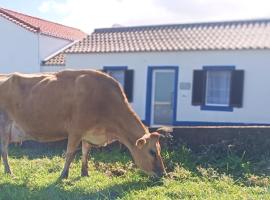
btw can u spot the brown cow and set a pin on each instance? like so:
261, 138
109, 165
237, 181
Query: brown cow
83, 106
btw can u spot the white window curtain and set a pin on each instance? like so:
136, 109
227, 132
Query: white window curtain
218, 85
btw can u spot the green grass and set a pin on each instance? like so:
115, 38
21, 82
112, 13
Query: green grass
113, 176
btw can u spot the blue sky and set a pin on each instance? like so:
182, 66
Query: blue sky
30, 7
89, 14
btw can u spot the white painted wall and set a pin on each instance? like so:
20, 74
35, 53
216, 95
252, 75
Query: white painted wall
52, 68
22, 50
256, 64
49, 45
18, 49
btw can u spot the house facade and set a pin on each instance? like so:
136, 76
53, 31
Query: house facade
184, 74
26, 41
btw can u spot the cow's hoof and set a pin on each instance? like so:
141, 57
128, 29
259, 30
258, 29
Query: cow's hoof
8, 171
84, 174
64, 175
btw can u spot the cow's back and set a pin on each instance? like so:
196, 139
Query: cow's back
49, 106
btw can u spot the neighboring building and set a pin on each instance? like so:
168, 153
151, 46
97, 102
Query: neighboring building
26, 41
184, 74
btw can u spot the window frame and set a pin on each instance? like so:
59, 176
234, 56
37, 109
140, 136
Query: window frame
208, 88
210, 107
115, 68
128, 86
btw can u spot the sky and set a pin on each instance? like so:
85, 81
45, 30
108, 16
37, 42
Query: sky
90, 14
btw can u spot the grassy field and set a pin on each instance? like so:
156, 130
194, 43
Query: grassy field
203, 175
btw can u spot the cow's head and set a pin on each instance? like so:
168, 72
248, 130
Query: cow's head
147, 154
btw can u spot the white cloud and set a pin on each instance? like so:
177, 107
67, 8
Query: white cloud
44, 7
53, 6
90, 14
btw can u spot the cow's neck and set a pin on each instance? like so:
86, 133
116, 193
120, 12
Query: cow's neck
132, 131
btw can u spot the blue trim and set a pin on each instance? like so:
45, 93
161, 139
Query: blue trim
200, 123
217, 108
149, 91
218, 68
175, 94
111, 68
148, 96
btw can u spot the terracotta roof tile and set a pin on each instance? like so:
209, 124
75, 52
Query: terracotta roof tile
58, 59
45, 27
230, 35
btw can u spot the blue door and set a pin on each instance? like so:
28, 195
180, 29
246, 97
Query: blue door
163, 95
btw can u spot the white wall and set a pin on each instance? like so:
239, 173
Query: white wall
256, 64
49, 45
18, 49
52, 68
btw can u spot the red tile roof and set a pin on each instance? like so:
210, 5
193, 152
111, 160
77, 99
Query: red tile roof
230, 35
58, 60
45, 27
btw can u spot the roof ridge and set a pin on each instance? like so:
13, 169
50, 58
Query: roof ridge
4, 9
225, 22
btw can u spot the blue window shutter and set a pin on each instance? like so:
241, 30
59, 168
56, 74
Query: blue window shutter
198, 87
237, 88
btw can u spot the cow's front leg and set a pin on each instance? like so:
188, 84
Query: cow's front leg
72, 145
85, 150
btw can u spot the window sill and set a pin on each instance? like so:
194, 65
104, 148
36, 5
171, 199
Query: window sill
217, 108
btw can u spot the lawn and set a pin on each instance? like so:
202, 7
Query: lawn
192, 175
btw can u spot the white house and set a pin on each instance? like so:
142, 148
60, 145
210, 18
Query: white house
26, 41
184, 74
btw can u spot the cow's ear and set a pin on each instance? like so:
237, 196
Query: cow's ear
140, 143
165, 132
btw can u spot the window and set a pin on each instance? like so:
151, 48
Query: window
218, 88
119, 75
125, 77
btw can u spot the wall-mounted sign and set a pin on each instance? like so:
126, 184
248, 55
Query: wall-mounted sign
185, 86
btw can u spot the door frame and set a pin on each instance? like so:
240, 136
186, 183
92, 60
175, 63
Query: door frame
149, 88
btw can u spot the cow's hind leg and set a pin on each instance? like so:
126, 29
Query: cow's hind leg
85, 150
72, 145
4, 152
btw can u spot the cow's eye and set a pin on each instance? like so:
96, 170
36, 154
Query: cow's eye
153, 153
